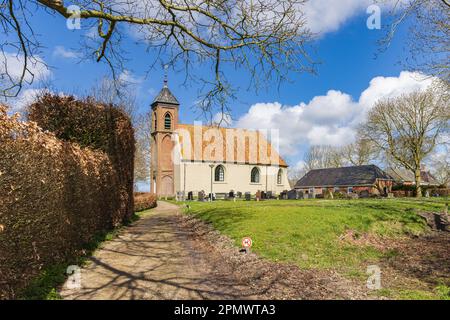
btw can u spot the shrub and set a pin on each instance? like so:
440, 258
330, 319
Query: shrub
144, 201
95, 125
56, 195
339, 195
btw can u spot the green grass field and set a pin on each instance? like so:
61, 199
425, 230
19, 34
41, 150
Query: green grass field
306, 232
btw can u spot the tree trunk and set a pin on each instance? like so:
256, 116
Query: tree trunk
418, 180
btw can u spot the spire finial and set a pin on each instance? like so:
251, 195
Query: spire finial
165, 75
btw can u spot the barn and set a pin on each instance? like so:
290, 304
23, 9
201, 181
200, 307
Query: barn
362, 180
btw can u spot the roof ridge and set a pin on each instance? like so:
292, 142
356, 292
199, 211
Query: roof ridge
346, 167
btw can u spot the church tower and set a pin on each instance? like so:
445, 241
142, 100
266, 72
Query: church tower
164, 123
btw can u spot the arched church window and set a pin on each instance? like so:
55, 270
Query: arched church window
254, 177
167, 121
280, 177
219, 173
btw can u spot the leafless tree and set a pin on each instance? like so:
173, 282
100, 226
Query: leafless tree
440, 166
408, 127
428, 36
319, 157
268, 39
122, 94
143, 138
361, 152
295, 174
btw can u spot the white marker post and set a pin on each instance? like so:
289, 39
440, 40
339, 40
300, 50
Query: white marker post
247, 244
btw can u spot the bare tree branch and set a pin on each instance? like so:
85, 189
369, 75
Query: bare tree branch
267, 38
408, 127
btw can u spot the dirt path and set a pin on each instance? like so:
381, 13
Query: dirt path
152, 259
167, 255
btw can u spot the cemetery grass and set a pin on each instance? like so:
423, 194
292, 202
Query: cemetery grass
343, 235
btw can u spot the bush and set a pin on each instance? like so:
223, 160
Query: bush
441, 192
144, 201
56, 195
95, 125
339, 195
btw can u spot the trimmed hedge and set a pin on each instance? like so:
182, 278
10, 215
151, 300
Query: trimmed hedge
56, 195
144, 201
94, 125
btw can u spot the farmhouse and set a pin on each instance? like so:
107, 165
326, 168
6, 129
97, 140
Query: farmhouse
363, 180
193, 158
406, 177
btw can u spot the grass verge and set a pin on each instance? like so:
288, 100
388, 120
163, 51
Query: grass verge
309, 233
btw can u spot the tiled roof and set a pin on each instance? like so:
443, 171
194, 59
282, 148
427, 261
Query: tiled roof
165, 96
401, 175
346, 176
250, 154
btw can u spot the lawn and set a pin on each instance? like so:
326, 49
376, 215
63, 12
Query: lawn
307, 232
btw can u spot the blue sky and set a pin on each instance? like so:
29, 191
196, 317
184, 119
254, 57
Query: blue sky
300, 109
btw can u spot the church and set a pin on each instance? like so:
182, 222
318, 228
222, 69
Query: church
192, 158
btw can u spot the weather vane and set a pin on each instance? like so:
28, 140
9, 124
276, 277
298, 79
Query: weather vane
165, 74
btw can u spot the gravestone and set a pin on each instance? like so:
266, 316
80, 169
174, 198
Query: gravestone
212, 196
231, 194
190, 196
300, 195
180, 196
248, 196
269, 195
258, 195
201, 196
239, 194
292, 195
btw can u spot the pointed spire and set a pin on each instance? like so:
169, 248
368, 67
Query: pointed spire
165, 96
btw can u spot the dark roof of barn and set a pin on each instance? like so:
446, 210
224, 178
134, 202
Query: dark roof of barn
401, 175
165, 96
346, 176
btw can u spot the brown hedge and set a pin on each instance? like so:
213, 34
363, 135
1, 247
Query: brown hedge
95, 125
55, 195
144, 201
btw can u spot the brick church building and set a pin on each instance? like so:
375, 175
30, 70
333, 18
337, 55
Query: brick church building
193, 158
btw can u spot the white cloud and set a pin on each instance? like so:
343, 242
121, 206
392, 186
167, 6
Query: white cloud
330, 135
224, 119
128, 77
393, 86
12, 64
327, 16
62, 52
26, 97
329, 119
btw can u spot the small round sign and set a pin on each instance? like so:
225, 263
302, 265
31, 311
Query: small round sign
247, 242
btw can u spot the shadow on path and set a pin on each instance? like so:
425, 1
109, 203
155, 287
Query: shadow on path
154, 259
